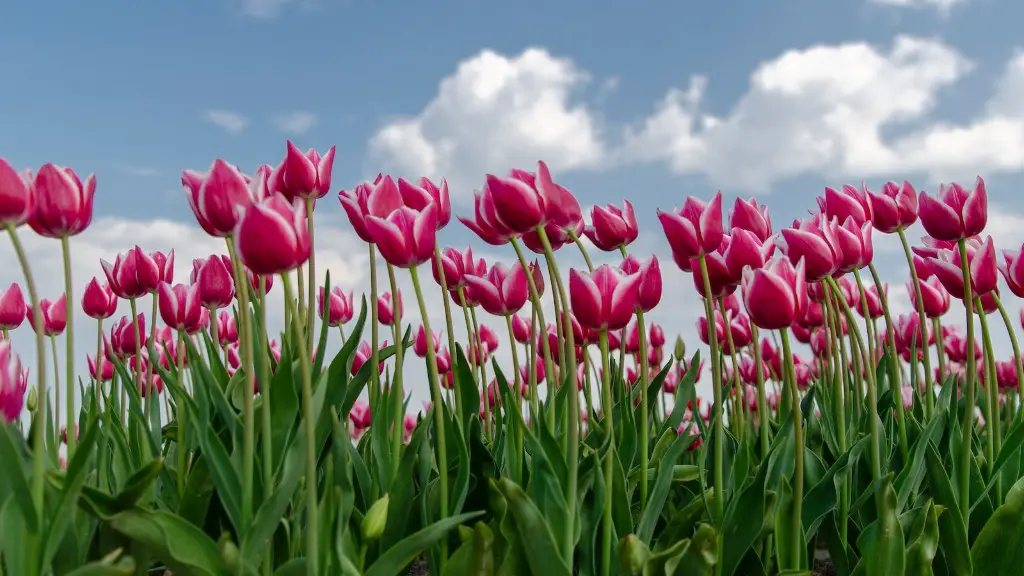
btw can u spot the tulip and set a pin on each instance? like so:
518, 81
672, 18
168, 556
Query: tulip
62, 204
694, 230
745, 249
690, 429
934, 296
721, 279
54, 314
656, 335
851, 203
133, 274
272, 236
227, 328
12, 308
214, 283
456, 265
488, 337
809, 241
485, 222
955, 214
408, 426
16, 198
405, 237
502, 291
604, 299
106, 372
98, 301
955, 345
385, 309
612, 228
356, 205
338, 306
420, 344
874, 302
215, 197
360, 414
671, 382
304, 176
13, 383
909, 335
180, 305
750, 216
853, 244
254, 280
517, 203
363, 355
1012, 269
443, 358
520, 329
894, 209
418, 196
775, 296
983, 269
1006, 375
649, 286
122, 336
164, 266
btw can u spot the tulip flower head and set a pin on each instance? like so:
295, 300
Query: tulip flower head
302, 175
612, 228
910, 336
61, 203
106, 372
54, 315
98, 301
12, 307
956, 213
753, 217
337, 307
214, 283
894, 209
272, 236
851, 203
16, 198
604, 299
649, 286
694, 230
180, 306
775, 296
133, 274
356, 204
854, 248
521, 329
812, 242
217, 196
13, 384
1012, 269
419, 196
386, 309
405, 237
456, 265
227, 328
363, 354
982, 264
122, 336
485, 222
420, 344
502, 291
934, 296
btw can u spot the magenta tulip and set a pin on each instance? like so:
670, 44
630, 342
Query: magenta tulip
12, 307
272, 236
521, 329
165, 266
16, 196
649, 287
694, 230
386, 309
744, 249
302, 175
753, 217
122, 336
604, 299
62, 204
456, 266
955, 214
909, 334
934, 296
419, 196
1012, 269
54, 315
404, 236
215, 284
180, 305
105, 373
485, 222
954, 343
216, 196
356, 205
338, 306
656, 335
775, 296
851, 203
874, 302
13, 384
983, 268
133, 274
227, 328
363, 355
502, 291
612, 228
420, 344
895, 208
853, 244
98, 301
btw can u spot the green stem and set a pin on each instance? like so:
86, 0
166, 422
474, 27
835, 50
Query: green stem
246, 351
182, 417
262, 351
968, 423
438, 408
313, 280
396, 395
1013, 343
832, 317
100, 360
644, 425
375, 328
474, 365
448, 324
518, 473
739, 400
606, 411
484, 382
56, 389
549, 366
929, 398
531, 349
151, 354
796, 534
69, 336
716, 375
894, 360
308, 415
993, 427
137, 382
762, 404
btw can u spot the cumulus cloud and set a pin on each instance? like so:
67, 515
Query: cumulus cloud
495, 112
230, 121
298, 122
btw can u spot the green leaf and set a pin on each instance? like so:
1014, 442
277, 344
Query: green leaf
110, 566
922, 540
999, 548
394, 561
659, 493
952, 532
16, 474
268, 516
743, 521
184, 548
881, 542
475, 557
537, 540
76, 475
700, 556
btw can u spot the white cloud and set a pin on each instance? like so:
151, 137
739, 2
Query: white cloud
230, 121
298, 122
493, 113
943, 7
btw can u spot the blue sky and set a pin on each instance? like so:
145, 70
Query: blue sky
648, 102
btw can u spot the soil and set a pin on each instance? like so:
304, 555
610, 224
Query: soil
823, 567
420, 568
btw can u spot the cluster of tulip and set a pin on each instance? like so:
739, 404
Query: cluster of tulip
300, 463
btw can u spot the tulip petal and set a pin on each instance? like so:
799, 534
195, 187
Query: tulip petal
975, 210
389, 240
585, 299
939, 219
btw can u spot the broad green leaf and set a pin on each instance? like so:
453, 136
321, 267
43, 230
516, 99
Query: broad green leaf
999, 548
538, 542
475, 557
881, 542
394, 561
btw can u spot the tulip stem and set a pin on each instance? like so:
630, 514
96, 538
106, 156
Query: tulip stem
573, 424
456, 385
837, 379
182, 416
968, 423
313, 280
531, 349
929, 399
38, 461
583, 249
940, 352
606, 409
248, 416
472, 353
56, 389
518, 472
644, 424
538, 308
69, 336
137, 377
762, 407
738, 399
312, 513
716, 375
894, 361
796, 536
263, 374
151, 354
375, 329
396, 396
1013, 343
100, 361
437, 403
992, 424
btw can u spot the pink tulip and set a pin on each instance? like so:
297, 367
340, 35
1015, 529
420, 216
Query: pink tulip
604, 299
694, 230
363, 355
656, 335
443, 358
98, 301
649, 286
894, 209
227, 328
215, 197
502, 291
874, 302
750, 216
1012, 269
338, 306
62, 205
204, 321
54, 315
689, 428
853, 244
1006, 375
303, 175
907, 396
122, 336
775, 296
180, 306
12, 307
722, 280
671, 382
485, 222
106, 373
612, 228
13, 384
521, 329
16, 198
456, 265
684, 367
955, 214
254, 280
420, 344
409, 426
909, 335
404, 236
215, 286
851, 203
955, 345
360, 414
418, 196
356, 205
272, 236
386, 309
982, 267
744, 249
813, 243
934, 296
488, 337
133, 274
517, 203
803, 371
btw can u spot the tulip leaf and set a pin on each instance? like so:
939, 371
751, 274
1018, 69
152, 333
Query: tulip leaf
542, 553
321, 341
921, 525
684, 390
467, 387
659, 492
12, 459
184, 548
999, 548
881, 542
403, 490
70, 488
476, 556
273, 508
823, 496
397, 559
743, 520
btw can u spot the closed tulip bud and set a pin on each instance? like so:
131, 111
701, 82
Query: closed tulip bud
750, 216
1012, 269
517, 202
955, 214
680, 350
813, 243
895, 208
62, 204
54, 314
386, 309
98, 301
227, 328
604, 299
31, 399
214, 283
694, 230
418, 196
633, 556
165, 266
272, 236
16, 198
338, 306
656, 335
649, 287
420, 344
612, 228
853, 244
375, 519
217, 197
405, 237
12, 307
745, 249
363, 355
502, 291
356, 205
179, 305
13, 384
302, 175
776, 295
934, 296
488, 337
521, 329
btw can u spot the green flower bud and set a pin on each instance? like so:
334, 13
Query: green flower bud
680, 348
32, 402
633, 554
376, 519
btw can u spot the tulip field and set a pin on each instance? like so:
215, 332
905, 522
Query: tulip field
838, 437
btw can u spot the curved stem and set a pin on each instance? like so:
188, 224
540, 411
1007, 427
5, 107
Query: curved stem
396, 395
837, 380
716, 375
182, 416
549, 366
448, 324
796, 536
438, 408
100, 360
940, 351
478, 344
312, 502
69, 336
375, 329
930, 396
894, 361
968, 424
762, 405
262, 351
313, 280
644, 425
246, 352
738, 399
56, 389
137, 382
583, 249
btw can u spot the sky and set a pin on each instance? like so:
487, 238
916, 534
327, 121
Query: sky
651, 102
